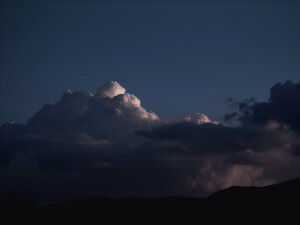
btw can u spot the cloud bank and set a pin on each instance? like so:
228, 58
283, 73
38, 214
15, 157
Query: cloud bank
107, 144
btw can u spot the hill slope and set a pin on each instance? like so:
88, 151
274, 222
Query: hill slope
269, 203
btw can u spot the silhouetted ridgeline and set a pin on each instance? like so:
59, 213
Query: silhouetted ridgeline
274, 202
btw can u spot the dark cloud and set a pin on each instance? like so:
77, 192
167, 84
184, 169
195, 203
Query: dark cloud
107, 144
205, 138
282, 107
209, 138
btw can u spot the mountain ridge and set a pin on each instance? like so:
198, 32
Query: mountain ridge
234, 203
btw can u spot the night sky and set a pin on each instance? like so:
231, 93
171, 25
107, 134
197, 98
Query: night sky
147, 98
179, 57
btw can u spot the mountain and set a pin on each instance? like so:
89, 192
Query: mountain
285, 192
240, 204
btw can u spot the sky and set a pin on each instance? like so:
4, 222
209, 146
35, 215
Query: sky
180, 57
147, 99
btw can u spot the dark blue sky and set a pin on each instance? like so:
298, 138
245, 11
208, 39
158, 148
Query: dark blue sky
178, 58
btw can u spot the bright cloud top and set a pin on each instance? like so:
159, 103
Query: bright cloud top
110, 90
111, 112
199, 118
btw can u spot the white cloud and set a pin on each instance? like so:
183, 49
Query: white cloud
110, 90
199, 118
110, 113
129, 106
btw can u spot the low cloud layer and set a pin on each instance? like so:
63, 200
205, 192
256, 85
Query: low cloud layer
107, 144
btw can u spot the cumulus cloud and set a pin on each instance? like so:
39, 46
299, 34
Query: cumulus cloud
199, 118
107, 144
111, 112
110, 90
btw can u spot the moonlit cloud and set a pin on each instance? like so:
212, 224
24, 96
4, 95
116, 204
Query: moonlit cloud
110, 90
111, 112
199, 118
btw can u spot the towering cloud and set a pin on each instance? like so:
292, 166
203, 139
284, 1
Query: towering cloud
108, 144
110, 113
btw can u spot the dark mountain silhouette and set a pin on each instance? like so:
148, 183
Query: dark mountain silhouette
241, 204
288, 191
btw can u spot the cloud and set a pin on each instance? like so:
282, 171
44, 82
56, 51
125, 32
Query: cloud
107, 144
206, 138
110, 113
110, 90
84, 139
282, 107
199, 118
